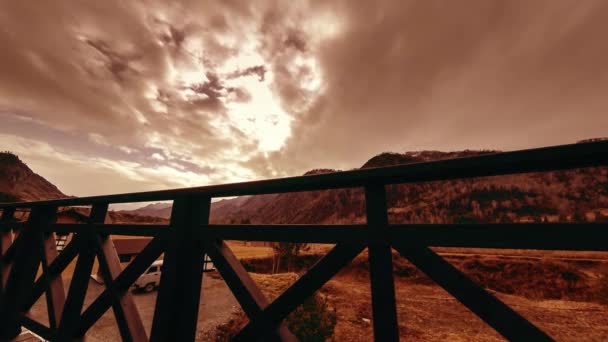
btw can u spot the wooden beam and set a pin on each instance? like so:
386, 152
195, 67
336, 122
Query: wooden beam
122, 283
126, 313
55, 293
78, 288
490, 309
384, 309
177, 303
6, 240
37, 328
244, 289
544, 236
54, 269
81, 277
532, 160
266, 322
23, 273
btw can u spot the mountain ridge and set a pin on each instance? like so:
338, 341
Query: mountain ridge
565, 196
19, 183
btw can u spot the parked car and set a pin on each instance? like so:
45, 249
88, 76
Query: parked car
150, 279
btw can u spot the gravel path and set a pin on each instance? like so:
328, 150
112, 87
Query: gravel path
217, 304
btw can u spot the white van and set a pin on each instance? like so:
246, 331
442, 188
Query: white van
150, 279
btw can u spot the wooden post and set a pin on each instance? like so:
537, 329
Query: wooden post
23, 273
55, 293
6, 239
381, 266
177, 303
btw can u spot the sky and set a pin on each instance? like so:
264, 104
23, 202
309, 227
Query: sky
118, 96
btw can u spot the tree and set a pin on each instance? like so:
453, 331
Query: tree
287, 252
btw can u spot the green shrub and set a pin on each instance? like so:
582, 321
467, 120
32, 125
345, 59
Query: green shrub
313, 321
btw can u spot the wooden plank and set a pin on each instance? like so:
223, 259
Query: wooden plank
544, 236
122, 283
321, 272
532, 160
81, 277
244, 289
125, 310
490, 309
384, 309
55, 293
177, 303
6, 240
23, 273
37, 327
54, 269
26, 336
78, 288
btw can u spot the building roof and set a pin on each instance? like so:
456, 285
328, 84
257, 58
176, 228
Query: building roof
76, 215
130, 245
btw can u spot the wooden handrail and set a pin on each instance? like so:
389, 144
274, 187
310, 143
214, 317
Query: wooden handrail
494, 164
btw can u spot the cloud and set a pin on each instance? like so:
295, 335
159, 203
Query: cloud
407, 75
243, 90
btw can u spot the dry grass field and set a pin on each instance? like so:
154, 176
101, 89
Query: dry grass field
556, 290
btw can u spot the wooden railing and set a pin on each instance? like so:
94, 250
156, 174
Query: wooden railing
189, 236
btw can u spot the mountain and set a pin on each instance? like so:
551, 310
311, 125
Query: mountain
565, 196
19, 183
155, 209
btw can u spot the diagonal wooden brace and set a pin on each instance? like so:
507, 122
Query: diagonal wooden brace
304, 287
245, 290
490, 309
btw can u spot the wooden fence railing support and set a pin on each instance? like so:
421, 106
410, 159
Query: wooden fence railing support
80, 280
246, 292
23, 272
311, 281
125, 311
177, 303
6, 240
384, 309
490, 309
55, 292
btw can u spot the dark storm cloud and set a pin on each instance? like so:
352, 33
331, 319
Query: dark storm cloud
259, 70
449, 75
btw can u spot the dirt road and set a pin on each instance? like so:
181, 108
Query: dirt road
217, 304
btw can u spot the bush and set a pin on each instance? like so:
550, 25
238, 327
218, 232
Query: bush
312, 321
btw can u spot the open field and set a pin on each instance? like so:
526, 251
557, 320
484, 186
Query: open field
525, 253
248, 252
530, 281
428, 313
